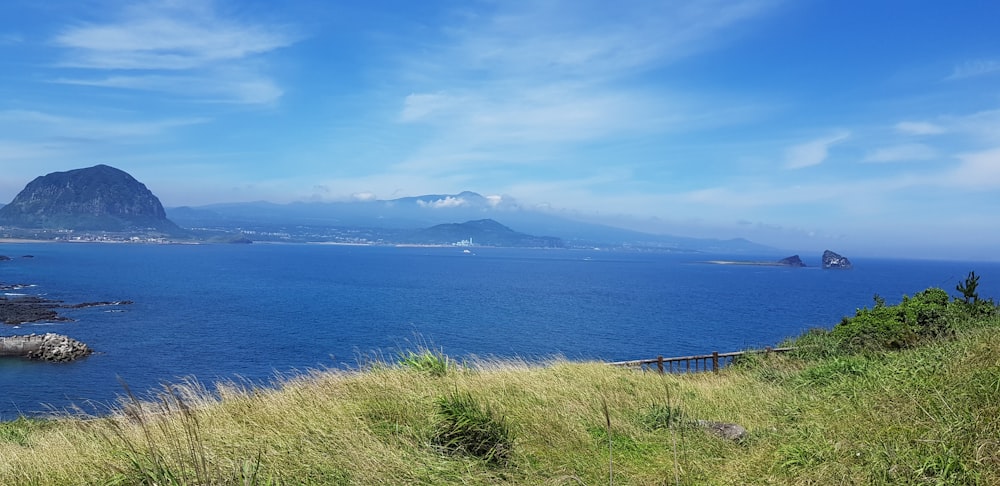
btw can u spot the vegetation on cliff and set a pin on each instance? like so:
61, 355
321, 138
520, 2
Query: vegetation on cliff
99, 198
897, 394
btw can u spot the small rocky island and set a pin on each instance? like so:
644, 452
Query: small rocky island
792, 261
833, 261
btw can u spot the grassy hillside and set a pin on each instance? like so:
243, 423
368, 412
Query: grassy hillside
904, 394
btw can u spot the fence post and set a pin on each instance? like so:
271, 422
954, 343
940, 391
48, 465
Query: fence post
715, 361
659, 364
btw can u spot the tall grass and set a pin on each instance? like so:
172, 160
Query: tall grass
927, 414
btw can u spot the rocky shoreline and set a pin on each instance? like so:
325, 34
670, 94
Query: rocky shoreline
29, 308
49, 347
17, 309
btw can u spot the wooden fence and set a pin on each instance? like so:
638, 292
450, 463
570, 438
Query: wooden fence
694, 364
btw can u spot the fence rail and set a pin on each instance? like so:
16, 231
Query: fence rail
694, 364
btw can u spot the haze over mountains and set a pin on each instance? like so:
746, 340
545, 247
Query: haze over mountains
106, 199
414, 213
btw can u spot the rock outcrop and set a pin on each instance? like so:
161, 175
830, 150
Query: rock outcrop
833, 261
28, 309
44, 347
99, 198
792, 261
733, 432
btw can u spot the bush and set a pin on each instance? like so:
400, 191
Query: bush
469, 428
910, 323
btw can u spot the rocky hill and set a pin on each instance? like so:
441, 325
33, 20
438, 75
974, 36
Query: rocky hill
99, 198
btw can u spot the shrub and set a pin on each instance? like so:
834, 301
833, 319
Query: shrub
911, 322
467, 427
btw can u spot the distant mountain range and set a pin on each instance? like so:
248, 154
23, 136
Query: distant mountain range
106, 199
400, 218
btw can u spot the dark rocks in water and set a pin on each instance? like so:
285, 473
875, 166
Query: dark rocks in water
834, 261
10, 287
28, 309
792, 261
4, 258
45, 347
99, 198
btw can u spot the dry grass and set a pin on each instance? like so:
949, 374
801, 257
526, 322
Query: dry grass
923, 416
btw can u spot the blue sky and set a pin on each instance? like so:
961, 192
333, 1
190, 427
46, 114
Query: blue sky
866, 127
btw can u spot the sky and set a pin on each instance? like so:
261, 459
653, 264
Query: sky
870, 128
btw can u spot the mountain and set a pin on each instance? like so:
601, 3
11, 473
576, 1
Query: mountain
483, 232
99, 198
415, 213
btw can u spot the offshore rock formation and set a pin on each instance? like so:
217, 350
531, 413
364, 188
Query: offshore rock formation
792, 261
45, 347
834, 261
99, 198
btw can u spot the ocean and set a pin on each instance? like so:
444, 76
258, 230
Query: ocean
251, 313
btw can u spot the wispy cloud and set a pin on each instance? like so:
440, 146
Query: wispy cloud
223, 86
901, 153
446, 202
533, 80
181, 47
919, 128
10, 39
41, 125
977, 171
971, 69
813, 152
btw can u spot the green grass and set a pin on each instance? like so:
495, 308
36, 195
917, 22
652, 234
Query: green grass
837, 412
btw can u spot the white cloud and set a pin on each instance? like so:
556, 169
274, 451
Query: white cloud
813, 152
447, 202
182, 47
419, 106
211, 87
363, 196
596, 38
528, 82
900, 153
919, 128
977, 171
36, 124
166, 35
494, 200
970, 69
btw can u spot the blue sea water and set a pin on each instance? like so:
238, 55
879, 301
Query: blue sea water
250, 312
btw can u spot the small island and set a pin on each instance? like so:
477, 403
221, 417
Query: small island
792, 261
